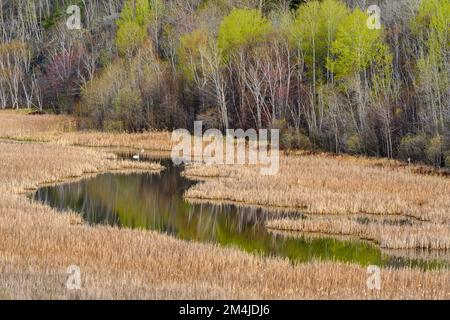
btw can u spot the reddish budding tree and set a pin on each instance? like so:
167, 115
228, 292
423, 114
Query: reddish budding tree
64, 74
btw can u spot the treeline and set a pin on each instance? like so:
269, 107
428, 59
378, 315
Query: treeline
318, 70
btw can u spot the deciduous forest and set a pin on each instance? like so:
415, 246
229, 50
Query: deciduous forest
316, 70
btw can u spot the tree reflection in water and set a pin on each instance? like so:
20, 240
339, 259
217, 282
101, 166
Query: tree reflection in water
155, 202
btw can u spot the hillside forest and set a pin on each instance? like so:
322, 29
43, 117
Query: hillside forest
325, 73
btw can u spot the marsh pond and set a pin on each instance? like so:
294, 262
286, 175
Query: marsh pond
155, 202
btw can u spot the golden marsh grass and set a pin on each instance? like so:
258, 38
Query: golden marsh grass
19, 126
330, 185
37, 243
61, 130
338, 187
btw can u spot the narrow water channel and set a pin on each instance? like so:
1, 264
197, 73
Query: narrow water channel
155, 202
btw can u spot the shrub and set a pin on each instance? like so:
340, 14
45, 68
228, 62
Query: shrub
434, 153
128, 109
113, 126
99, 94
354, 144
301, 141
447, 160
286, 140
279, 124
413, 146
292, 139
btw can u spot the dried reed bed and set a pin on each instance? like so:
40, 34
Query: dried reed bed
136, 264
200, 171
37, 248
421, 236
338, 187
37, 244
20, 126
19, 163
331, 185
61, 130
159, 141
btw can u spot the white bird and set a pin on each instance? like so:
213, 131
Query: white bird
138, 156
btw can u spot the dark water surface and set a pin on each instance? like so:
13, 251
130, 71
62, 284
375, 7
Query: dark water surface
155, 202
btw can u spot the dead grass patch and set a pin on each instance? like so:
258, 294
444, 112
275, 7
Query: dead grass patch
330, 186
62, 130
37, 244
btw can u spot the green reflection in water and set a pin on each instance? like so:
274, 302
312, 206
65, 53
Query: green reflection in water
155, 202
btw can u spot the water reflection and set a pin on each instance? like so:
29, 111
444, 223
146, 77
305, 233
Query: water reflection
155, 202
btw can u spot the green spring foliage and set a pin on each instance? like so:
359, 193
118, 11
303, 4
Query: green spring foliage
356, 47
314, 30
132, 26
242, 27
